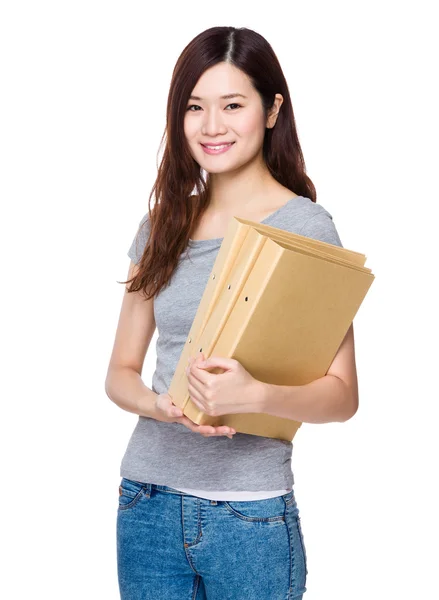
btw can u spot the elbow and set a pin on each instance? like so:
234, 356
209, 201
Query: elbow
349, 403
107, 379
108, 384
107, 389
351, 406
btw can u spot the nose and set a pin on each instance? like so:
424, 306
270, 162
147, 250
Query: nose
213, 123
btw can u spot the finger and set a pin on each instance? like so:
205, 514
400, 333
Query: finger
196, 428
188, 422
222, 430
195, 387
164, 402
170, 409
206, 429
198, 373
196, 398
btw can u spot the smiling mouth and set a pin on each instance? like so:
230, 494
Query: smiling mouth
217, 149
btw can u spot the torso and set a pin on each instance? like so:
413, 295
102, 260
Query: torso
213, 225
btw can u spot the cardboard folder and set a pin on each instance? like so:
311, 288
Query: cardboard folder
281, 304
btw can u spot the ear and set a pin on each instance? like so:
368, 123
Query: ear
274, 111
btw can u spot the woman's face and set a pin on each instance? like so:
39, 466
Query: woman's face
213, 120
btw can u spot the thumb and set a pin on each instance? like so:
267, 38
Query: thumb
174, 409
170, 407
217, 361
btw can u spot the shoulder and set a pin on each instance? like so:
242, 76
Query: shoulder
144, 228
140, 239
144, 221
317, 223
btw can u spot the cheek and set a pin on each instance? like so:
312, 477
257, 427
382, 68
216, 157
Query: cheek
191, 134
189, 129
251, 127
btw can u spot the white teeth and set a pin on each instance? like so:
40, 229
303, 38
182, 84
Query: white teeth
218, 147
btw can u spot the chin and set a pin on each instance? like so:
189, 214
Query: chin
226, 167
218, 169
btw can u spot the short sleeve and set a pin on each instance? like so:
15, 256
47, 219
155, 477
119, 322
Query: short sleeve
139, 242
321, 227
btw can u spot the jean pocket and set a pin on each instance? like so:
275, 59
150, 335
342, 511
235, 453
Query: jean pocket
130, 493
267, 509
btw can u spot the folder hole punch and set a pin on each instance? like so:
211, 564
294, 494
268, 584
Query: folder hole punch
229, 286
213, 276
190, 340
200, 350
246, 298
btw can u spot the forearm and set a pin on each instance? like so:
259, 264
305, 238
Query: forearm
125, 388
324, 400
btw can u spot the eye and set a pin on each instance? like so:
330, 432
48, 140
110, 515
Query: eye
191, 106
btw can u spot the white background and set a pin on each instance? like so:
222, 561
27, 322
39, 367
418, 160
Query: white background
84, 91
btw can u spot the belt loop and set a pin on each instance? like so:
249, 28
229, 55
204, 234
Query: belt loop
147, 489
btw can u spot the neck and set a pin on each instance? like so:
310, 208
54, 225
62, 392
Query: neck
242, 188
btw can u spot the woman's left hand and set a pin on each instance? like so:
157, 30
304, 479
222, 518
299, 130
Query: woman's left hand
233, 391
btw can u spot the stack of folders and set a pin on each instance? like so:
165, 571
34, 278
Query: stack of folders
279, 303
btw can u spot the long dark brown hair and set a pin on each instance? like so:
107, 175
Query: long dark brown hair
176, 211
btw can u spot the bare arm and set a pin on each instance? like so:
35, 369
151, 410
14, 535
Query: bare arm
136, 326
124, 385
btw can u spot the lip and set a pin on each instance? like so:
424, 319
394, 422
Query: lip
209, 150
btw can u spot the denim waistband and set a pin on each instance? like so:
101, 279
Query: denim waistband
147, 487
162, 488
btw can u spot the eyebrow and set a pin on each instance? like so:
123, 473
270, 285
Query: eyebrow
226, 97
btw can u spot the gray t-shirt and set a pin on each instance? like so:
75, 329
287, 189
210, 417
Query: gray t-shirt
169, 453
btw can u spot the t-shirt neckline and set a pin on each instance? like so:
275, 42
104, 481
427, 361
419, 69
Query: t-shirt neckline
263, 222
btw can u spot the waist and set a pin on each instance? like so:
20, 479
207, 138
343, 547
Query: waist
235, 495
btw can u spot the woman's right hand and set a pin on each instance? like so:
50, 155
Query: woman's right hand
169, 413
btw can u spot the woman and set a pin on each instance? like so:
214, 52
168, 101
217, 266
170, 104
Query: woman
206, 511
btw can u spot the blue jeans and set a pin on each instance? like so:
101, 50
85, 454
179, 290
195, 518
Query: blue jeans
174, 546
